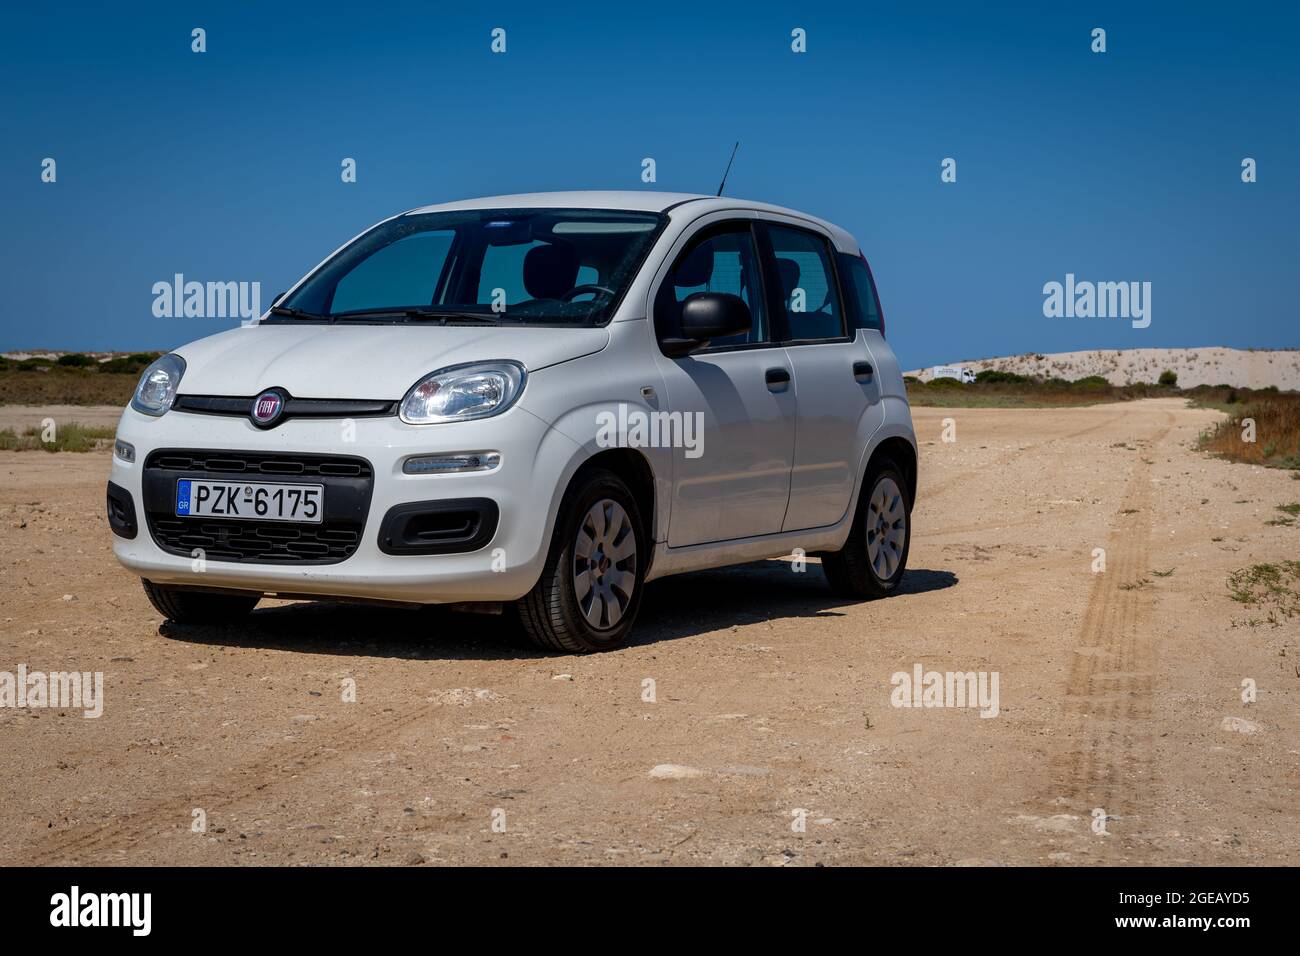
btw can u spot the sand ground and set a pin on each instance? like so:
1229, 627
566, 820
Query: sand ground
771, 697
22, 417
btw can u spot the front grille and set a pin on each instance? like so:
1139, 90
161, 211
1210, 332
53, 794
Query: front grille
348, 483
250, 464
272, 542
293, 407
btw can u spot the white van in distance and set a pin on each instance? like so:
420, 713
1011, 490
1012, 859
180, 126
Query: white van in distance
539, 402
961, 374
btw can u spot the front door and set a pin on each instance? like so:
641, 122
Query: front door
734, 481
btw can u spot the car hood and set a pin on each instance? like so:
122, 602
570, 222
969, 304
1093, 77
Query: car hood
371, 361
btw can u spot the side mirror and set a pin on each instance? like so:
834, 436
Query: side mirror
707, 316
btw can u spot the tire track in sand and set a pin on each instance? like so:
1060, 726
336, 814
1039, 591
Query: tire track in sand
951, 481
88, 842
1106, 762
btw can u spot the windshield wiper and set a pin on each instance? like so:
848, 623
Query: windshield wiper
419, 315
424, 315
294, 313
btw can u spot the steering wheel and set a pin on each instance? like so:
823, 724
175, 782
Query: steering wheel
584, 289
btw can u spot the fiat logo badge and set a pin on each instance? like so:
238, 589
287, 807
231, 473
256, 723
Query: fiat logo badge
267, 409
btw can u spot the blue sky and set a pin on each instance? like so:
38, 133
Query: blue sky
224, 166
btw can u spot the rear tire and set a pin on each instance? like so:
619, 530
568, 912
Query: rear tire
589, 592
197, 607
874, 558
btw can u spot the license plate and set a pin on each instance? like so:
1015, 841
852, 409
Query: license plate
255, 501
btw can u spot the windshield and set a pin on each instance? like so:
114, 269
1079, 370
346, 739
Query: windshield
507, 266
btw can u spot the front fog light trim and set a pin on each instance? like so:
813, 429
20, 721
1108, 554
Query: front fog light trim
453, 463
124, 450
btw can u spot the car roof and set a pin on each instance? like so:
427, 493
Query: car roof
636, 200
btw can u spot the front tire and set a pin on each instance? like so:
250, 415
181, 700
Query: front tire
197, 607
872, 562
589, 592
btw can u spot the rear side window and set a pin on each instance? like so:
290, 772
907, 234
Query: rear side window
807, 284
862, 307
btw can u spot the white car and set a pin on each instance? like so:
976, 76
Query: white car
540, 401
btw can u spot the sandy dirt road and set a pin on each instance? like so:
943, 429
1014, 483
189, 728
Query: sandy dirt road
773, 695
22, 417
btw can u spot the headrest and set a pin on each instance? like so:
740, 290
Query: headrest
696, 268
550, 270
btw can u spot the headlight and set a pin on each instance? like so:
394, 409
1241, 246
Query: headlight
157, 388
463, 392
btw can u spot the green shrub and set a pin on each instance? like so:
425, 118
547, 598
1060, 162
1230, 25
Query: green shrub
75, 360
1090, 381
992, 376
1168, 377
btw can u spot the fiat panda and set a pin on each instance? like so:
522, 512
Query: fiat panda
537, 403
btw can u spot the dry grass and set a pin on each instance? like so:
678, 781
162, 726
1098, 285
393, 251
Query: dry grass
1011, 391
71, 379
66, 386
1277, 431
70, 436
1272, 588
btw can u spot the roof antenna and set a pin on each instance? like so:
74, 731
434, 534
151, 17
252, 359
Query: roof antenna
728, 170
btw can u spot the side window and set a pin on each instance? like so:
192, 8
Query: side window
404, 272
725, 261
859, 293
807, 284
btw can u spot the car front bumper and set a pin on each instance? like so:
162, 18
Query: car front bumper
501, 564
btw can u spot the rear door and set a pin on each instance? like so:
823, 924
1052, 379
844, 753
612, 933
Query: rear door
864, 314
736, 481
834, 379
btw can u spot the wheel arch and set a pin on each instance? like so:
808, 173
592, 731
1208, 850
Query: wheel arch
902, 452
635, 470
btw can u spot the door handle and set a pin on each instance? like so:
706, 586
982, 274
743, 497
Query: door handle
777, 379
862, 371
